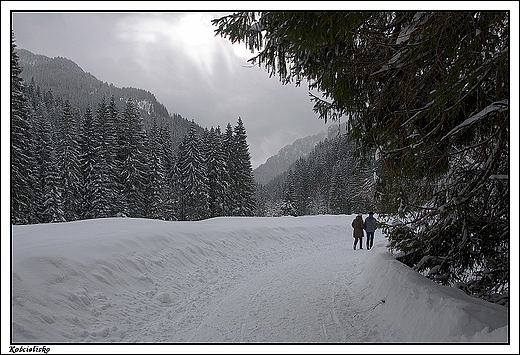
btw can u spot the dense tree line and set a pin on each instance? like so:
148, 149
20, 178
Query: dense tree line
67, 81
68, 165
427, 93
330, 180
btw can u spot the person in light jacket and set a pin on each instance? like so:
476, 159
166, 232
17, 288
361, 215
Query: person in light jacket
370, 227
358, 226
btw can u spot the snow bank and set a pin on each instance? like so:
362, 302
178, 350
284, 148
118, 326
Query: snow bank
124, 280
427, 311
86, 280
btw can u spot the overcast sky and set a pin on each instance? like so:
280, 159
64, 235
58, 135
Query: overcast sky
176, 56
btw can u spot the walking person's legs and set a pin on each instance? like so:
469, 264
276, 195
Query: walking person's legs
370, 240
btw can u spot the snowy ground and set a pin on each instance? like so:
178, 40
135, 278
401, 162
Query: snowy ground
231, 280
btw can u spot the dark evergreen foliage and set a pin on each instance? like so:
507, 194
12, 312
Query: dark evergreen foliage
112, 135
120, 158
193, 179
22, 158
47, 194
68, 162
288, 207
94, 203
134, 170
106, 164
329, 180
230, 157
218, 173
170, 196
158, 184
242, 173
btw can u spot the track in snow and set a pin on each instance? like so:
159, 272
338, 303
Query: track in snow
312, 298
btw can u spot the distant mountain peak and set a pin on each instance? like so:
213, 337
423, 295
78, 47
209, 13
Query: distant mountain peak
288, 155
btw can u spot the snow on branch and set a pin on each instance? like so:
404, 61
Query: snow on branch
406, 32
396, 61
495, 106
499, 177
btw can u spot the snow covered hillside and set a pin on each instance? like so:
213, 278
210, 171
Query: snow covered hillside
285, 279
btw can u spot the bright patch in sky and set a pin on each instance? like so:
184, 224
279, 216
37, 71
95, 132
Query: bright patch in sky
193, 33
198, 29
198, 34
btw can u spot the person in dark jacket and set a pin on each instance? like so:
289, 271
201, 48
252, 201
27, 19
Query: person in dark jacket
370, 227
358, 225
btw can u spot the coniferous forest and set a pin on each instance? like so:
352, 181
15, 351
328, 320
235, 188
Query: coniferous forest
331, 179
71, 163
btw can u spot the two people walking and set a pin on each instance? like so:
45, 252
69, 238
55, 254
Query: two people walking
368, 225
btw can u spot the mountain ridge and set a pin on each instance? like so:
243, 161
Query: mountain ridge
289, 154
67, 80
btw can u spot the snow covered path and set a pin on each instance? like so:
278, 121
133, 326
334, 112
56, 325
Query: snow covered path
300, 300
229, 280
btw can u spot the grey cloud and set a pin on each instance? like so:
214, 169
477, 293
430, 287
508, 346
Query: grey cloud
274, 115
